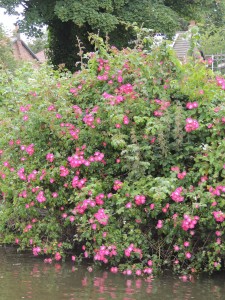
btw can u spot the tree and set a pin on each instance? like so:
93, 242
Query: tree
205, 11
6, 54
212, 40
70, 18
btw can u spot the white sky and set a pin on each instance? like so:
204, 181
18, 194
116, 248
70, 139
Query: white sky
8, 22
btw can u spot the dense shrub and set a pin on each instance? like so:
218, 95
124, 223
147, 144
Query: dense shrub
121, 163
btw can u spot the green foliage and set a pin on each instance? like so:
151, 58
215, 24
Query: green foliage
7, 60
71, 18
207, 12
122, 162
213, 40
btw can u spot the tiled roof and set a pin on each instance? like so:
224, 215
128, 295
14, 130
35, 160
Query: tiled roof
22, 52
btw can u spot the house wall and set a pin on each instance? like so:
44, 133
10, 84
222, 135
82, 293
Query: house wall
41, 56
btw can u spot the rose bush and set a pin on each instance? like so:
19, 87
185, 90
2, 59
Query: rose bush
121, 163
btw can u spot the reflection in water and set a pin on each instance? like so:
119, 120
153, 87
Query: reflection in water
23, 276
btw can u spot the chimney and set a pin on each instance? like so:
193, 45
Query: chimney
17, 32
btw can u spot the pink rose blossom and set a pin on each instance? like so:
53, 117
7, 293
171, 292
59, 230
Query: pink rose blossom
73, 258
191, 125
140, 199
50, 157
186, 244
58, 256
188, 255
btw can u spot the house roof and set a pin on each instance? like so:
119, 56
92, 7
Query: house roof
21, 51
29, 50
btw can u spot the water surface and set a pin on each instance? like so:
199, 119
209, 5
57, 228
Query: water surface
23, 276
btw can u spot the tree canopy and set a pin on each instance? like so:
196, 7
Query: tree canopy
213, 40
109, 16
106, 15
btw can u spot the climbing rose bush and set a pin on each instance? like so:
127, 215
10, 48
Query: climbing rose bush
121, 164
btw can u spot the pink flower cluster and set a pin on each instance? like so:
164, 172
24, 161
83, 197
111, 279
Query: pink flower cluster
203, 179
126, 88
32, 176
27, 228
140, 199
117, 185
78, 183
28, 205
159, 224
99, 199
36, 251
189, 222
191, 125
182, 175
35, 189
175, 169
48, 260
191, 105
220, 82
82, 206
114, 100
58, 256
2, 175
25, 108
40, 197
98, 157
219, 216
63, 171
73, 131
130, 249
89, 120
102, 63
176, 195
103, 77
101, 216
51, 107
104, 251
50, 157
29, 149
23, 194
114, 270
166, 208
21, 174
163, 105
43, 174
78, 159
126, 120
6, 164
77, 111
217, 191
74, 91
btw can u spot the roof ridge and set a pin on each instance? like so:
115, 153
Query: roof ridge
26, 46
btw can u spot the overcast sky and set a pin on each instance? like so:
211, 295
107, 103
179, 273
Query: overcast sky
8, 22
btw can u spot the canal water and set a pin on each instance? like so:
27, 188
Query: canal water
23, 276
